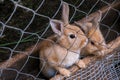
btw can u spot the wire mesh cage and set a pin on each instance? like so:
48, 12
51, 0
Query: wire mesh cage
24, 23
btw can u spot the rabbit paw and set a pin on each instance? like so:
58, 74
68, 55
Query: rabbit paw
81, 64
65, 72
101, 53
57, 77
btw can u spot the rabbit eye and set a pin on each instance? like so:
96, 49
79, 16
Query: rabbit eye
92, 43
72, 36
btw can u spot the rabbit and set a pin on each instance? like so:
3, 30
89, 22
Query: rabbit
96, 44
62, 49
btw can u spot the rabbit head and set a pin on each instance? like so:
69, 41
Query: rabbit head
90, 26
69, 36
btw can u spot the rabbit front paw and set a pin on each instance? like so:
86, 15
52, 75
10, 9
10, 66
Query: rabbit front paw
81, 64
65, 72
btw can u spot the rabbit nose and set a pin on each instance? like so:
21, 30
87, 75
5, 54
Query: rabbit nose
100, 47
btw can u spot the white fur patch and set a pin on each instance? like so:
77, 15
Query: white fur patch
71, 58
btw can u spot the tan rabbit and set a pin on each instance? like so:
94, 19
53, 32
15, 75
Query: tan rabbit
96, 44
61, 50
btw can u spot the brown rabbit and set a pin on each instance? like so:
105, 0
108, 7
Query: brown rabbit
96, 43
62, 49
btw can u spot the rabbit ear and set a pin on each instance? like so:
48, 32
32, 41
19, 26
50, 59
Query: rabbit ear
98, 16
90, 22
65, 13
96, 19
84, 26
57, 26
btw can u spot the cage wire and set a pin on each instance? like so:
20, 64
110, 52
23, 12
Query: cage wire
26, 22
